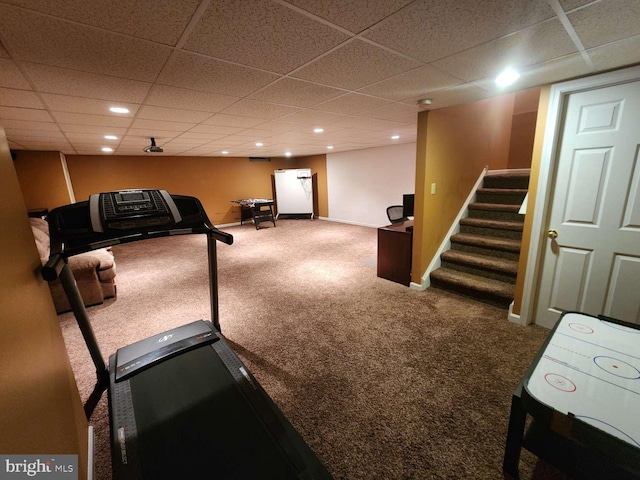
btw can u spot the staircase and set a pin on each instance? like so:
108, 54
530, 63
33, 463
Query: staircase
483, 260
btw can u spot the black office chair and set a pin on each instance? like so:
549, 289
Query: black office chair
396, 214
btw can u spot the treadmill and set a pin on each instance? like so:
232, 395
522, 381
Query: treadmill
181, 403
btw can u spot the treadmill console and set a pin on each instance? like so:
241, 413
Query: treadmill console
132, 209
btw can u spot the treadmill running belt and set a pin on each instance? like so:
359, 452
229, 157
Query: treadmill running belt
194, 422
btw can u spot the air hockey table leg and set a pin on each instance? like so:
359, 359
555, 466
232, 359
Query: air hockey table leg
515, 434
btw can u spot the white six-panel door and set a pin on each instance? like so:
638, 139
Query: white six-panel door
591, 253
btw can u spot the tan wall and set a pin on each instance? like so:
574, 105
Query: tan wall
453, 147
42, 179
525, 112
215, 181
541, 124
40, 408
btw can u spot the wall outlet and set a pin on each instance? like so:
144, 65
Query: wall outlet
433, 189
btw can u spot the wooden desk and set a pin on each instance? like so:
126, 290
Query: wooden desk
394, 252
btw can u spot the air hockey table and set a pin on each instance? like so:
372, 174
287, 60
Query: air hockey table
580, 401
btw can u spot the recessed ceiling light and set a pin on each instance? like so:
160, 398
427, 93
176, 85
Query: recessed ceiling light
425, 101
259, 144
107, 149
110, 137
395, 137
225, 152
287, 154
507, 77
119, 110
329, 147
318, 130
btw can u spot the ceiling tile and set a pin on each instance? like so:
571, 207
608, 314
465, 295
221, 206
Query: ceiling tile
296, 93
568, 5
45, 144
217, 129
354, 15
31, 125
233, 121
230, 141
355, 65
527, 47
549, 72
391, 112
11, 77
97, 129
66, 103
412, 84
91, 137
187, 138
262, 34
606, 21
147, 132
161, 22
425, 30
312, 117
29, 114
174, 97
82, 84
276, 126
96, 120
451, 96
371, 124
172, 114
142, 141
10, 97
197, 72
350, 103
65, 44
161, 125
201, 136
254, 108
624, 52
19, 135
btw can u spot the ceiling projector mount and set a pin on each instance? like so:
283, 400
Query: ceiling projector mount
153, 148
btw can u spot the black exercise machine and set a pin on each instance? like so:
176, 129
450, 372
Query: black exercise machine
181, 403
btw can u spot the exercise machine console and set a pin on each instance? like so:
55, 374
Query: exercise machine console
123, 216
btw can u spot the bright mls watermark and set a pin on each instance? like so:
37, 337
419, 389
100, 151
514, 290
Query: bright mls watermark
53, 467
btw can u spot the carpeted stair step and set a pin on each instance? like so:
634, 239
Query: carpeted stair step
480, 265
507, 180
484, 289
505, 248
495, 211
492, 228
510, 196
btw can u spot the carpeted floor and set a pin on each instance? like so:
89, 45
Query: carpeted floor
383, 382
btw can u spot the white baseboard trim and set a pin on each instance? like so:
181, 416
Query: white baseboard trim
417, 286
225, 225
514, 317
348, 222
91, 449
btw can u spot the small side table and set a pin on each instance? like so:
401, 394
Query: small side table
259, 209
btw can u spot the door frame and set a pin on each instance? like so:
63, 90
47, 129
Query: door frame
546, 180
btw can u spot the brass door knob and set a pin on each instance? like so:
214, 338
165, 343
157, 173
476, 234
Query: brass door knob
552, 233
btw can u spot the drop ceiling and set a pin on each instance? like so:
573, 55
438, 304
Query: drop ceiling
206, 76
